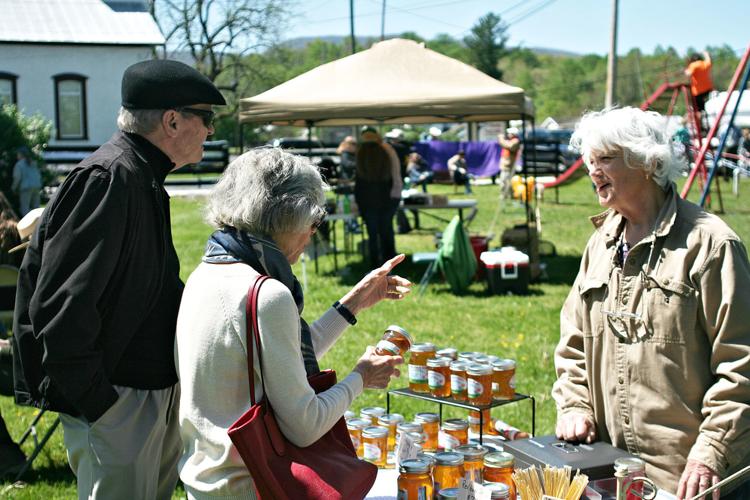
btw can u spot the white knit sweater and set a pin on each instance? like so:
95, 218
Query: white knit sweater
211, 360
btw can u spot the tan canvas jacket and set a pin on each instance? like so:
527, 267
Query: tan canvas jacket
658, 353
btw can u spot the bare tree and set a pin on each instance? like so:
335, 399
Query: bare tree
218, 33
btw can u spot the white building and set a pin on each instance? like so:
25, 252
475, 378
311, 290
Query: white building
65, 60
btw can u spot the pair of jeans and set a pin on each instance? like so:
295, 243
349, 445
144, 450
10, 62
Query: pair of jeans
381, 238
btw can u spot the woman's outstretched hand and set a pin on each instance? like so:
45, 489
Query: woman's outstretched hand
376, 286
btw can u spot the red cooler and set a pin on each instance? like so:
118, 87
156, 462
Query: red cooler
507, 271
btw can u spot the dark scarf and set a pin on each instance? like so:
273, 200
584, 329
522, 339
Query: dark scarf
262, 254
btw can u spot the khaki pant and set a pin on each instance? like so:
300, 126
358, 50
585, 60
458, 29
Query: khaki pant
506, 191
131, 451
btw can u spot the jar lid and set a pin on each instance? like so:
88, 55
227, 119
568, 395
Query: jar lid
491, 358
477, 369
498, 491
409, 427
418, 437
358, 423
504, 364
498, 459
471, 451
374, 431
402, 331
449, 458
423, 347
348, 415
438, 362
372, 411
467, 355
482, 359
447, 494
427, 417
390, 418
414, 466
426, 458
448, 352
455, 424
632, 463
459, 365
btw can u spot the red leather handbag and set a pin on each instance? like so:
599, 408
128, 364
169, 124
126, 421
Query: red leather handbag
327, 469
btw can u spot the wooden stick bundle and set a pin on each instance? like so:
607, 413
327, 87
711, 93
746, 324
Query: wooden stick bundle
555, 482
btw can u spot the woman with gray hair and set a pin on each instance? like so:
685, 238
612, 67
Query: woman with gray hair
654, 354
266, 207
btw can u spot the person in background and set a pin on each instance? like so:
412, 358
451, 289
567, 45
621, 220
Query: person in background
743, 150
701, 84
9, 237
265, 208
347, 152
654, 351
460, 171
395, 138
511, 145
419, 171
377, 191
99, 290
27, 180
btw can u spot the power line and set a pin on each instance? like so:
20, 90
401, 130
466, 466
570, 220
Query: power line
530, 12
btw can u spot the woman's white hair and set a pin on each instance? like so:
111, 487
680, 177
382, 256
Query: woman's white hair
139, 121
640, 135
267, 191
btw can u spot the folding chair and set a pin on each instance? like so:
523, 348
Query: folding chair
38, 445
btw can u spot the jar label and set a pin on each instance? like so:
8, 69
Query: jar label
417, 374
475, 388
447, 441
435, 380
512, 382
458, 384
372, 452
385, 345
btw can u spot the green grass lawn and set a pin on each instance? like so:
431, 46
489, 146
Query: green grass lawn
525, 328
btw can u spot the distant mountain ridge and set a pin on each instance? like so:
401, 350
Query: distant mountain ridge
301, 41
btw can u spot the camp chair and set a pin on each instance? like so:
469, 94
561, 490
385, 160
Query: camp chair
454, 257
38, 445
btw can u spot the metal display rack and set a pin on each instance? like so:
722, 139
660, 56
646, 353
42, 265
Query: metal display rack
464, 404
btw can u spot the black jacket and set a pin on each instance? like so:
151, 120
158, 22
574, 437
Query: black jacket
99, 287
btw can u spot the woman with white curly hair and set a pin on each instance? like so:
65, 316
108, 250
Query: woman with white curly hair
654, 354
265, 208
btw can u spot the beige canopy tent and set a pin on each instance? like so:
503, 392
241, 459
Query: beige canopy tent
395, 81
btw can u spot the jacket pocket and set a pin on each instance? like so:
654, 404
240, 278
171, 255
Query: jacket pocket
592, 291
672, 309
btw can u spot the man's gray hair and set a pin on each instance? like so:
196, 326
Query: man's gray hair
139, 121
640, 135
267, 191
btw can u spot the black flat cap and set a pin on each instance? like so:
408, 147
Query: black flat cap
164, 84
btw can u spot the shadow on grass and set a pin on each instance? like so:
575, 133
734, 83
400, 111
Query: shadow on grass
55, 474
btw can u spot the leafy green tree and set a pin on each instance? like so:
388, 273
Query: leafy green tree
449, 46
486, 44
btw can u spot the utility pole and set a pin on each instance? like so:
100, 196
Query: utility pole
611, 97
382, 23
351, 24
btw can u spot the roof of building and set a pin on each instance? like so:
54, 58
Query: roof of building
75, 21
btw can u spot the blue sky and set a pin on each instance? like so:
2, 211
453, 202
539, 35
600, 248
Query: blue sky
575, 25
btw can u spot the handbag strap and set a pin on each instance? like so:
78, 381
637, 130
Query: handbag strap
251, 322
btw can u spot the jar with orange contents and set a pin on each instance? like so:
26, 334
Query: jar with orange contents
414, 480
498, 491
373, 413
420, 353
374, 444
390, 421
504, 379
396, 341
430, 426
406, 427
473, 460
439, 377
448, 471
355, 427
498, 468
448, 352
458, 380
486, 421
453, 433
479, 384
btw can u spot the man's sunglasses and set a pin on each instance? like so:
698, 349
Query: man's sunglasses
204, 114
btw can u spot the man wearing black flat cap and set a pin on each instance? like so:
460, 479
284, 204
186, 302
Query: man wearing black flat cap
99, 290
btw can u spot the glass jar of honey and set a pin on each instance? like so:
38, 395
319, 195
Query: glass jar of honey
498, 491
448, 471
458, 380
407, 427
395, 342
479, 384
374, 444
453, 433
373, 413
473, 460
390, 421
481, 359
439, 377
504, 379
430, 459
447, 494
430, 426
355, 427
467, 356
486, 420
448, 352
415, 480
498, 468
420, 353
